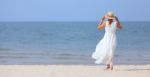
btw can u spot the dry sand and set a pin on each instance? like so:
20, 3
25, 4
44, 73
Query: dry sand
73, 71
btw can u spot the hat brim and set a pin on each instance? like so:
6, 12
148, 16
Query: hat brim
108, 17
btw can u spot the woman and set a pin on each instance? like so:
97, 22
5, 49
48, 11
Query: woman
104, 52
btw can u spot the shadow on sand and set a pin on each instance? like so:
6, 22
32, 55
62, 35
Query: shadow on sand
133, 69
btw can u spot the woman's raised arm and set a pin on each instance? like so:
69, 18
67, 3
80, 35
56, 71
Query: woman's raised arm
102, 23
118, 23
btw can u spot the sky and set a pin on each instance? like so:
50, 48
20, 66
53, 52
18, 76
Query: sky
73, 10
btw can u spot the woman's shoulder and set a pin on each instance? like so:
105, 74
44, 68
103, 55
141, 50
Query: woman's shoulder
106, 23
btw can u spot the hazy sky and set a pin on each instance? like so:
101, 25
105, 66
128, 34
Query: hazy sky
73, 10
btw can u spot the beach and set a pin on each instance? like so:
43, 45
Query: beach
73, 71
46, 49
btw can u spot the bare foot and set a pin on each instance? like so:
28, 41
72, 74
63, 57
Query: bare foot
108, 67
111, 68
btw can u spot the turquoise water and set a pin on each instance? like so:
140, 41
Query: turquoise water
69, 42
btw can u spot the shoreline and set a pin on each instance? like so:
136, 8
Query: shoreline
74, 71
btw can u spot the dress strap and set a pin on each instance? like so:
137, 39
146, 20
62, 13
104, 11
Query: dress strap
107, 23
115, 24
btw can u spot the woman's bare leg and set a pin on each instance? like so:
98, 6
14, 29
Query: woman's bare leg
111, 67
108, 67
111, 64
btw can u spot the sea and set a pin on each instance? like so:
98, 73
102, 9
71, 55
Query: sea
70, 43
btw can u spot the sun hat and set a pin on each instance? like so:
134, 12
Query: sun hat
110, 15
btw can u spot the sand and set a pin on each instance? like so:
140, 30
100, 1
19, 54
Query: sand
73, 71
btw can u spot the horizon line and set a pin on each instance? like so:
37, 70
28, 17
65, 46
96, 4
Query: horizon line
69, 21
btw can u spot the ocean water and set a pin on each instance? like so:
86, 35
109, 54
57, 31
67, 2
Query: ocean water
69, 42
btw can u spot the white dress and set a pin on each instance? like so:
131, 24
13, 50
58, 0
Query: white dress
104, 51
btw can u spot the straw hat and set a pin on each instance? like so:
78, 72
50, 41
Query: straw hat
110, 15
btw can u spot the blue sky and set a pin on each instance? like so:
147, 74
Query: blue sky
73, 10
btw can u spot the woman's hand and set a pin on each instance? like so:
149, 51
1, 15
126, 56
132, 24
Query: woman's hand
116, 18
